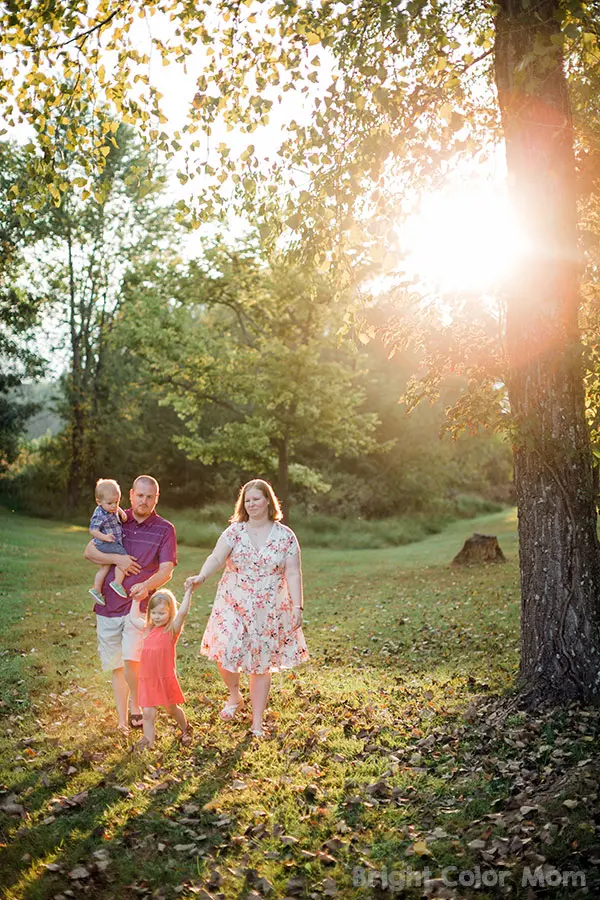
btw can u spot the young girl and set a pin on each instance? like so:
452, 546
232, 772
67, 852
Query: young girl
158, 685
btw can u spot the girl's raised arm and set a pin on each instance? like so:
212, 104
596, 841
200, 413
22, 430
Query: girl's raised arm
182, 611
136, 616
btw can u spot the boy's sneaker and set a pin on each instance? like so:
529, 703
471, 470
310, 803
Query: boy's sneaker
98, 597
118, 589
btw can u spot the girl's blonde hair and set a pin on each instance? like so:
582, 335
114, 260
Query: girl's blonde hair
240, 513
162, 596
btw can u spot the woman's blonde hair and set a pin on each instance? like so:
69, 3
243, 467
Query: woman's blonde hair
162, 596
240, 514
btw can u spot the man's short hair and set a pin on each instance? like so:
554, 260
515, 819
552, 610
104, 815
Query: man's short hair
148, 478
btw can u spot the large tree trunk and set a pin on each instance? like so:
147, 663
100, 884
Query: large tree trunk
559, 556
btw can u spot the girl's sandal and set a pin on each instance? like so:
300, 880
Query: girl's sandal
143, 744
258, 733
136, 720
230, 710
186, 737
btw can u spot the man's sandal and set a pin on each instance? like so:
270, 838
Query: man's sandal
186, 736
230, 710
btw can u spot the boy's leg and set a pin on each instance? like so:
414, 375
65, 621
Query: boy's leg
100, 576
119, 575
178, 714
149, 713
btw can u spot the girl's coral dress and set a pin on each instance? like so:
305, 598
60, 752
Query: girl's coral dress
158, 684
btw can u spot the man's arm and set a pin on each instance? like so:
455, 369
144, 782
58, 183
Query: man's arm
145, 588
128, 563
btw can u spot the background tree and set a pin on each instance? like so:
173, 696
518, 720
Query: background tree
254, 347
93, 241
404, 91
19, 306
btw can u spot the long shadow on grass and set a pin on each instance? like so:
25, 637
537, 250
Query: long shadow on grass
126, 820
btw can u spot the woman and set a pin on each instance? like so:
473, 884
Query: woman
256, 622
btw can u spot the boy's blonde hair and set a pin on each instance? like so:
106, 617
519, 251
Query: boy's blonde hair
162, 596
102, 486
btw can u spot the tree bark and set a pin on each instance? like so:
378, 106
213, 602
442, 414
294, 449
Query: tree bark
283, 478
559, 554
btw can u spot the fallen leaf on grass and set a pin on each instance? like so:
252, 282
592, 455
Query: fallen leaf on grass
79, 873
11, 807
329, 887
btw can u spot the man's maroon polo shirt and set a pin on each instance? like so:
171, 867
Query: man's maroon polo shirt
152, 542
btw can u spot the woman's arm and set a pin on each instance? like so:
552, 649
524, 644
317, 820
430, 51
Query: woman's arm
293, 576
212, 564
183, 610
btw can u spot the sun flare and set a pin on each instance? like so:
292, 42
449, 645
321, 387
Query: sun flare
462, 239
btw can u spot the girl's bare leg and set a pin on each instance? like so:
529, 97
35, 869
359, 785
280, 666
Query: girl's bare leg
260, 685
178, 714
232, 681
149, 713
100, 576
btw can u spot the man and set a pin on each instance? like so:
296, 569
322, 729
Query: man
152, 547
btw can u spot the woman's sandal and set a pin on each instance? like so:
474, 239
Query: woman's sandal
186, 736
230, 710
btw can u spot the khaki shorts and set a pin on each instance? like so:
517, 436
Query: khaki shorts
118, 640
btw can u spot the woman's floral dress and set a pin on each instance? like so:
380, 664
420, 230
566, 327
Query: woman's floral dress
250, 627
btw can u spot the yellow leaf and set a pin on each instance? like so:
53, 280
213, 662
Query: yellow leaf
312, 38
421, 848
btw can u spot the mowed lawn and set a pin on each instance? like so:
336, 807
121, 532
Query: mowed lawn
387, 772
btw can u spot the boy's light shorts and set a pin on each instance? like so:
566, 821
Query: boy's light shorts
118, 640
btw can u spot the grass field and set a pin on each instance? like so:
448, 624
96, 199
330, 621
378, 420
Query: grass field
389, 772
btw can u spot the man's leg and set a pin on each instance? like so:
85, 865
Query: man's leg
132, 673
121, 692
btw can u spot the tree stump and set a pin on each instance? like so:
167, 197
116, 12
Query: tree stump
481, 548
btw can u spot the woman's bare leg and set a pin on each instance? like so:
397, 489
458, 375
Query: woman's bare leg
232, 682
260, 685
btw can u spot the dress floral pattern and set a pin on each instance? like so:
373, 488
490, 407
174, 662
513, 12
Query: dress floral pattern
250, 627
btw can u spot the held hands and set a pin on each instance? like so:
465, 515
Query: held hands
193, 582
139, 591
